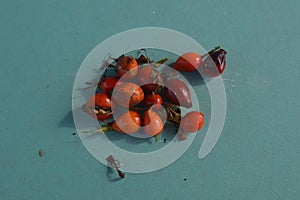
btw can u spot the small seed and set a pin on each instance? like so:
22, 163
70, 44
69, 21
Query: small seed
41, 153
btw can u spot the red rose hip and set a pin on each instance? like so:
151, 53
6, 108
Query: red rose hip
98, 106
177, 92
152, 99
108, 83
214, 64
192, 121
153, 125
127, 67
128, 122
188, 62
127, 94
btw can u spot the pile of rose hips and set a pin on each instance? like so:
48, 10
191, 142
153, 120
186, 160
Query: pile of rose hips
144, 106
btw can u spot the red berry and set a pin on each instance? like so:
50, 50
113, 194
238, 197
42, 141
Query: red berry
188, 62
152, 99
214, 64
153, 125
108, 83
127, 94
149, 78
177, 92
128, 122
150, 88
192, 121
98, 106
127, 64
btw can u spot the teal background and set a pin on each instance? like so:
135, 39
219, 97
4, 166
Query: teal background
42, 44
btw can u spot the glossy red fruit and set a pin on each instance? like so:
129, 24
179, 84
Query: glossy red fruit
108, 83
128, 122
149, 78
177, 92
152, 99
127, 64
146, 74
127, 94
192, 121
153, 125
98, 106
150, 88
214, 64
188, 62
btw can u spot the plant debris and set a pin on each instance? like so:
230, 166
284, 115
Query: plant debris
41, 153
115, 164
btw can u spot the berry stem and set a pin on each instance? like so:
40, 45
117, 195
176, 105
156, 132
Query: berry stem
156, 138
162, 61
104, 129
115, 164
211, 51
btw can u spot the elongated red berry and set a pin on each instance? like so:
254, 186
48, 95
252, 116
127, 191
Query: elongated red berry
192, 121
177, 92
188, 62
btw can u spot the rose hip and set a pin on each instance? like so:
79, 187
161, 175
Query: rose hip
192, 121
149, 79
188, 62
128, 122
177, 92
153, 125
127, 94
152, 99
127, 64
98, 106
214, 64
107, 84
